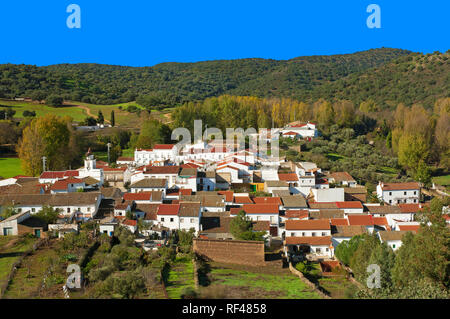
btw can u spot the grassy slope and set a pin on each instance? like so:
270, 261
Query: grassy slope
247, 284
10, 253
10, 167
181, 276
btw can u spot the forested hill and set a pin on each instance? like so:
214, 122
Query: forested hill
304, 78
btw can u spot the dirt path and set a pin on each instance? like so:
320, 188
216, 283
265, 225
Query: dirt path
86, 110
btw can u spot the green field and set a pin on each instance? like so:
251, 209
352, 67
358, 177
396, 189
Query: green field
442, 180
41, 109
10, 167
180, 276
79, 111
241, 283
11, 249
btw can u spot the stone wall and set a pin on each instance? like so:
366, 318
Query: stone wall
249, 253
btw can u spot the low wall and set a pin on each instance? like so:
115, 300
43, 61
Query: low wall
249, 253
307, 282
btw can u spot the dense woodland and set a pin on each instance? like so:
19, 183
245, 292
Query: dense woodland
407, 77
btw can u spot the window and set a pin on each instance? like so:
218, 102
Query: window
324, 234
181, 220
171, 220
88, 209
318, 250
415, 200
415, 193
192, 220
162, 219
313, 234
390, 201
303, 234
19, 210
404, 193
393, 246
292, 234
390, 193
33, 210
68, 209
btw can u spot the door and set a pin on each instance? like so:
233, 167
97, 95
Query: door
37, 233
274, 231
7, 231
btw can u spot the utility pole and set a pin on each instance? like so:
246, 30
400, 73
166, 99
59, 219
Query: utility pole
44, 161
109, 147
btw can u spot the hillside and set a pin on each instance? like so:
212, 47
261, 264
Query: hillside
415, 78
180, 82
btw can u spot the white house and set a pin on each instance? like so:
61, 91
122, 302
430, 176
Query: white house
318, 246
170, 173
189, 216
308, 228
90, 169
398, 193
149, 185
168, 216
392, 238
328, 195
206, 181
261, 212
108, 226
84, 205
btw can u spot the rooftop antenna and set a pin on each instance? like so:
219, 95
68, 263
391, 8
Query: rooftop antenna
109, 147
44, 161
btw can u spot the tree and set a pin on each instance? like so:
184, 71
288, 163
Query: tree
241, 227
8, 211
115, 153
54, 100
89, 121
47, 136
153, 132
426, 254
346, 249
100, 118
48, 214
113, 120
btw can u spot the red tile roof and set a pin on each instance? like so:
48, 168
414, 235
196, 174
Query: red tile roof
352, 204
163, 146
137, 196
185, 191
311, 224
410, 208
130, 222
242, 200
267, 200
258, 209
228, 195
63, 183
413, 228
339, 221
360, 220
291, 177
314, 241
298, 213
52, 175
168, 209
161, 169
400, 186
381, 221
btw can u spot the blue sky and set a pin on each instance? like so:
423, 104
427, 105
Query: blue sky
147, 32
